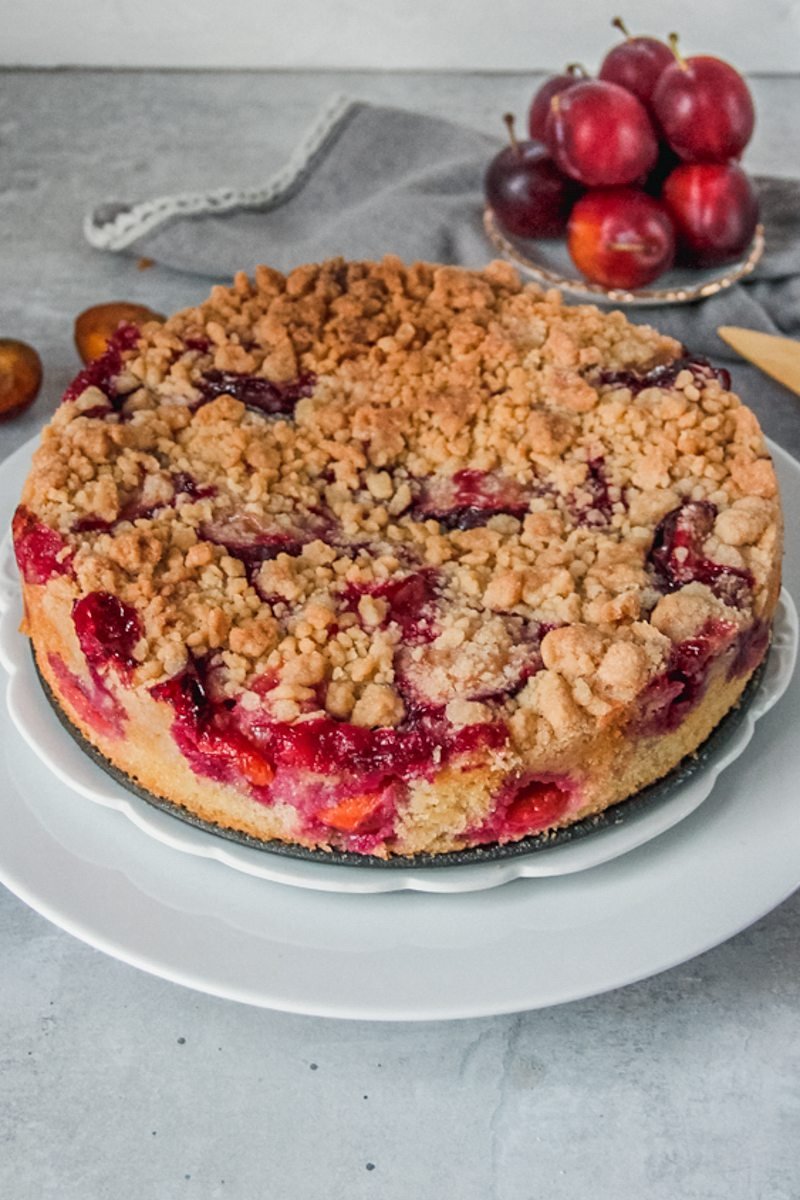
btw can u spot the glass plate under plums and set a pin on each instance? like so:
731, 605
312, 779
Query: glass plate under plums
547, 261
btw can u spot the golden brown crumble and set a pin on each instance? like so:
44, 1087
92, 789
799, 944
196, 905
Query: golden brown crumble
420, 373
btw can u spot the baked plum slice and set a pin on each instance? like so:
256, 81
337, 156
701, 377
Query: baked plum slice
205, 735
187, 485
107, 630
410, 601
247, 537
676, 556
103, 372
365, 758
298, 762
90, 699
594, 506
469, 498
525, 806
485, 657
750, 648
677, 690
536, 804
41, 552
139, 506
479, 657
361, 812
664, 376
349, 782
262, 395
360, 820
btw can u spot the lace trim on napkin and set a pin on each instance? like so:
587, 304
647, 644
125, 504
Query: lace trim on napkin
114, 226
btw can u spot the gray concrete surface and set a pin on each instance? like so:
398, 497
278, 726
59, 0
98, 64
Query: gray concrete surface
115, 1084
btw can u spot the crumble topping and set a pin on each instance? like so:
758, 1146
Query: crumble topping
362, 489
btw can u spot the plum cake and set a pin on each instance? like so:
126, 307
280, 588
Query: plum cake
397, 560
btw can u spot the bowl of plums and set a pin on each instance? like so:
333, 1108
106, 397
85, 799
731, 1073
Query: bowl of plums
629, 187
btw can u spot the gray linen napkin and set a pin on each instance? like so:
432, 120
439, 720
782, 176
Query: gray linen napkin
370, 180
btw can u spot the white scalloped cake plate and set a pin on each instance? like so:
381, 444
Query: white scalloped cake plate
533, 943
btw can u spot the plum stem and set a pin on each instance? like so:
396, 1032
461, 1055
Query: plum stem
576, 68
619, 24
672, 38
512, 137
